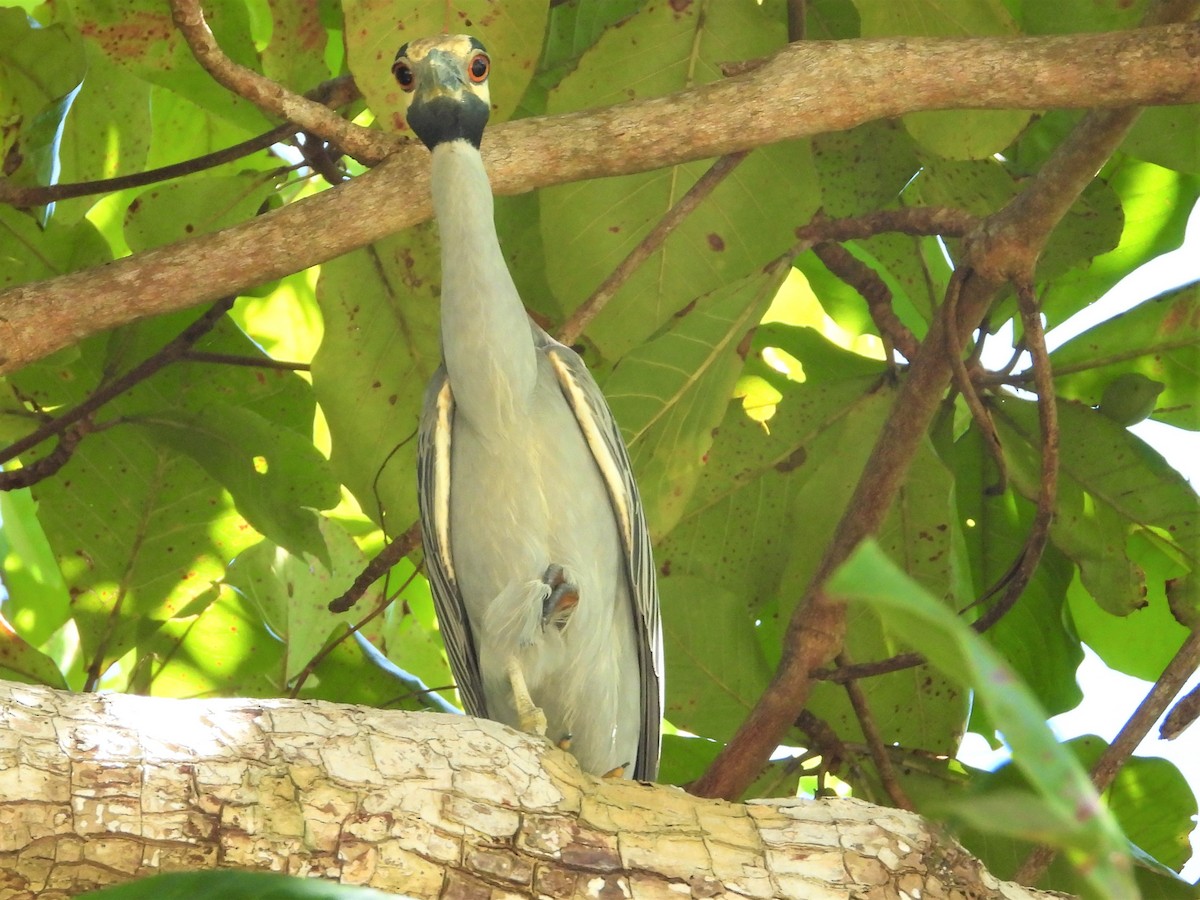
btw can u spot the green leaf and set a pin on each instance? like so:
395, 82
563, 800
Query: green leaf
1155, 203
1168, 136
179, 209
233, 885
19, 661
1080, 823
747, 220
375, 30
671, 392
1158, 339
1035, 635
380, 348
39, 68
140, 36
37, 603
709, 693
29, 252
1110, 482
292, 591
275, 475
957, 134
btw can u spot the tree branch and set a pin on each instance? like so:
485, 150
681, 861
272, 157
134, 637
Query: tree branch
267, 95
805, 89
1003, 247
1153, 705
109, 787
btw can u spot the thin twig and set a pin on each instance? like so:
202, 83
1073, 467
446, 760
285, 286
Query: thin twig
170, 352
1016, 580
48, 465
870, 730
590, 308
336, 92
267, 95
966, 387
867, 282
320, 655
1170, 683
916, 221
396, 550
1181, 716
252, 362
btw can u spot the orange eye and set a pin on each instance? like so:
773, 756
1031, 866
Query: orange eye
404, 74
478, 68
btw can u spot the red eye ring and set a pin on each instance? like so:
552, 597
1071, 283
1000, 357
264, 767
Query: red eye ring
404, 75
478, 68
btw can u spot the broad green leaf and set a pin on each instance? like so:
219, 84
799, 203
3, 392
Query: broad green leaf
1083, 827
39, 68
180, 209
865, 168
21, 661
589, 227
671, 392
292, 591
1075, 16
226, 884
140, 36
107, 132
1110, 483
379, 350
1167, 136
29, 251
1035, 635
1155, 203
1158, 338
957, 134
295, 54
276, 476
37, 604
216, 646
709, 692
140, 531
376, 29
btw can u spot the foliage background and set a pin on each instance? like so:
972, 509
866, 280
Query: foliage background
192, 541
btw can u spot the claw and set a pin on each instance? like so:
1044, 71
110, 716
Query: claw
563, 598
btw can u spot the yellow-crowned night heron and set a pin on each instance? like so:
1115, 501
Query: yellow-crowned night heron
535, 542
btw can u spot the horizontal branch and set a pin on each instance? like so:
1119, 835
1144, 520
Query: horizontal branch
804, 89
103, 788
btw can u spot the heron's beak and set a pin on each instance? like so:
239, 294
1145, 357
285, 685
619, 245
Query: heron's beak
441, 80
444, 106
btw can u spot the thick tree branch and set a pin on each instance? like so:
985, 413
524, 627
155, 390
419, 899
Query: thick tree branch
803, 90
1004, 247
101, 789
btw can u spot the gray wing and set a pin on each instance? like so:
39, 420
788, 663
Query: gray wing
433, 499
608, 449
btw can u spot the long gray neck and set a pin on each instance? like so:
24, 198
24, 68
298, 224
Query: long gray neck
486, 338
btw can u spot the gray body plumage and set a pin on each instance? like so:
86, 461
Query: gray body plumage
521, 467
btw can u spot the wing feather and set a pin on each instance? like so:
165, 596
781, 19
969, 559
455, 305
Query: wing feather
433, 498
603, 437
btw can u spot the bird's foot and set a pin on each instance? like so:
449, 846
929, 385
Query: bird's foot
561, 601
530, 717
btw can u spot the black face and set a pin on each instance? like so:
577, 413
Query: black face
447, 78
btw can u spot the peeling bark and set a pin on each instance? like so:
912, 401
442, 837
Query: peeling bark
101, 789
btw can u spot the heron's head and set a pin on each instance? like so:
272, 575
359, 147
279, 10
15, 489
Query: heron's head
445, 82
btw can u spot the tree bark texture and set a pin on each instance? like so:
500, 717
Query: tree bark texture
101, 789
805, 89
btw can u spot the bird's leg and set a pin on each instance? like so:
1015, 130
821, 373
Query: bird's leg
562, 599
532, 720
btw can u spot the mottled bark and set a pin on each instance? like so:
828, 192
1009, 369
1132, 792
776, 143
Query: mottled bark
100, 789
